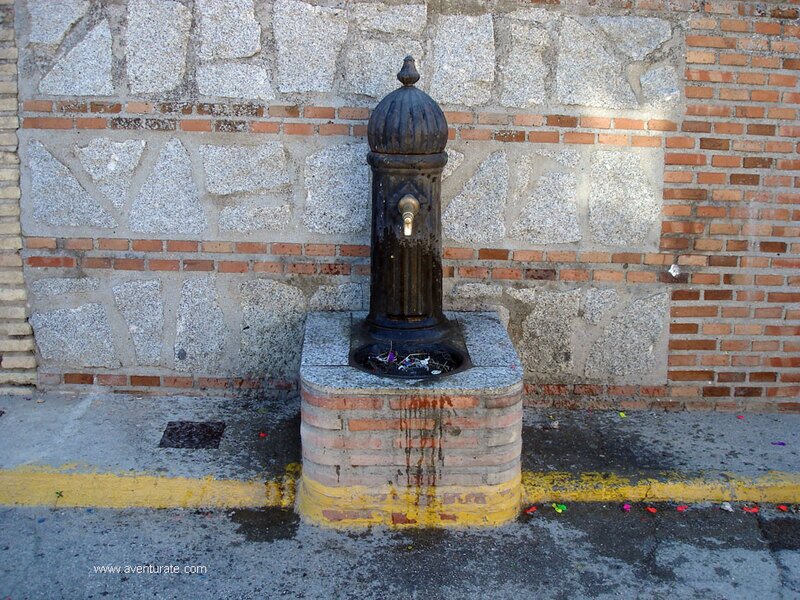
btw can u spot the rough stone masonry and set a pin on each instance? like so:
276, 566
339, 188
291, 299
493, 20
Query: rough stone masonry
620, 188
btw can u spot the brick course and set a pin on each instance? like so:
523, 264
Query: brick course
17, 360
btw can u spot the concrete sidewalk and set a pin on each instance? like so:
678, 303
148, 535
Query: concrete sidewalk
103, 450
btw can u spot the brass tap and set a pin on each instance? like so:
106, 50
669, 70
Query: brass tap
408, 207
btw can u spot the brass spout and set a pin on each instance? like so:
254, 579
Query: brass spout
408, 207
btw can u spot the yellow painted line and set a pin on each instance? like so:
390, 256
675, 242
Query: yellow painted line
63, 486
775, 486
75, 486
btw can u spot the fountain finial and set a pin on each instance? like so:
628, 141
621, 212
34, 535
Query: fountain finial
408, 75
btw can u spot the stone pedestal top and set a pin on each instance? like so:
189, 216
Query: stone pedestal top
324, 367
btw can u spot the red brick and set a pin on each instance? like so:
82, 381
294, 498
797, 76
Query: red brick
390, 424
79, 244
319, 250
251, 247
561, 121
196, 125
691, 375
79, 378
528, 255
44, 105
112, 244
129, 264
198, 265
319, 112
181, 246
457, 253
298, 129
36, 243
217, 247
342, 402
334, 268
434, 402
353, 250
508, 135
334, 129
268, 267
493, 254
463, 118
284, 111
213, 382
265, 127
155, 264
147, 245
506, 273
112, 380
51, 261
543, 137
46, 123
285, 249
97, 263
475, 134
356, 114
233, 266
301, 268
622, 123
146, 380
90, 123
573, 137
473, 272
177, 382
541, 274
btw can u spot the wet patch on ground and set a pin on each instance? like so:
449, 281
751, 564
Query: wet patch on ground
560, 440
782, 533
264, 434
266, 524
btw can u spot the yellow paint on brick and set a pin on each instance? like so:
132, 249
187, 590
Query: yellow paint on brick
429, 506
38, 486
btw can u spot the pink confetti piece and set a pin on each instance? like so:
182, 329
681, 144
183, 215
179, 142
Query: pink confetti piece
740, 416
681, 508
626, 507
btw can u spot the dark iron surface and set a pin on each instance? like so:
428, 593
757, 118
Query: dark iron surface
407, 135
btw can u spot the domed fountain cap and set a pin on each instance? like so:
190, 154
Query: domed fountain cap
407, 121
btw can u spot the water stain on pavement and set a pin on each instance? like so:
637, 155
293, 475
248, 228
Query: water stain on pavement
568, 442
782, 533
266, 524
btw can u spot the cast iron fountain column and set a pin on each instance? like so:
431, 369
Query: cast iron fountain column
407, 135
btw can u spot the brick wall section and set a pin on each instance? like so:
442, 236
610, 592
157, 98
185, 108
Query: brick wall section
731, 197
411, 441
18, 364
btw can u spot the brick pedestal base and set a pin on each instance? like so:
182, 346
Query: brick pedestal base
387, 451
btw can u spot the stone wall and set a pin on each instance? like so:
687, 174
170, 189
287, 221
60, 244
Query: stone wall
619, 187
